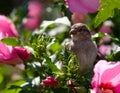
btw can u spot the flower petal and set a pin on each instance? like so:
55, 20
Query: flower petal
75, 7
83, 6
111, 72
105, 73
7, 28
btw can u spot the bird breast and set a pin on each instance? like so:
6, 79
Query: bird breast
86, 52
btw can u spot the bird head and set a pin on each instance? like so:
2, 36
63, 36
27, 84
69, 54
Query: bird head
79, 32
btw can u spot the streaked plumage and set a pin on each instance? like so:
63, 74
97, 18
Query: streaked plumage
82, 46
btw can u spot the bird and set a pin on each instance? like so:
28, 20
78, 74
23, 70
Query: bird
82, 46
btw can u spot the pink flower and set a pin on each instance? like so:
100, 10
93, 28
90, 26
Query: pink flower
70, 83
105, 49
106, 27
83, 6
77, 17
32, 23
12, 55
106, 77
50, 81
7, 28
105, 39
35, 11
22, 53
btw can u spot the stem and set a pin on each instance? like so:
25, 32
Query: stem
43, 68
74, 89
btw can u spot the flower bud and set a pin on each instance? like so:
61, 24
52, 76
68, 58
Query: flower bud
70, 83
8, 55
50, 81
23, 53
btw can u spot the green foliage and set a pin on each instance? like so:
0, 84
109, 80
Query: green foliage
1, 78
47, 45
11, 41
106, 10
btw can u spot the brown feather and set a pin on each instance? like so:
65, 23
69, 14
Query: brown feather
82, 46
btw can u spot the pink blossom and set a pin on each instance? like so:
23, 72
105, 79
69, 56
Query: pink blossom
50, 81
70, 83
106, 77
77, 17
35, 11
106, 27
12, 55
83, 6
105, 39
23, 53
7, 28
21, 66
32, 23
105, 49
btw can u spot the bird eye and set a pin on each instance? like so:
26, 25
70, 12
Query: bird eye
75, 28
80, 29
84, 29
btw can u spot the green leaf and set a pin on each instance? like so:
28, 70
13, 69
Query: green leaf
11, 41
106, 1
115, 3
1, 78
26, 34
55, 47
104, 13
14, 87
106, 10
52, 66
16, 84
10, 91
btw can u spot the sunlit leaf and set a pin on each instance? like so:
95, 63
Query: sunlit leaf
11, 41
14, 87
52, 66
106, 11
1, 78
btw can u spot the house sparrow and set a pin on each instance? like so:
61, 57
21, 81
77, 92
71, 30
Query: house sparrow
82, 46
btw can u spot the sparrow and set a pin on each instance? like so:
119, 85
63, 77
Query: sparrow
82, 46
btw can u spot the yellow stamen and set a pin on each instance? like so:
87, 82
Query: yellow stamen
106, 90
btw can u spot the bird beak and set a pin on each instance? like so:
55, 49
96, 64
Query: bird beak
72, 31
